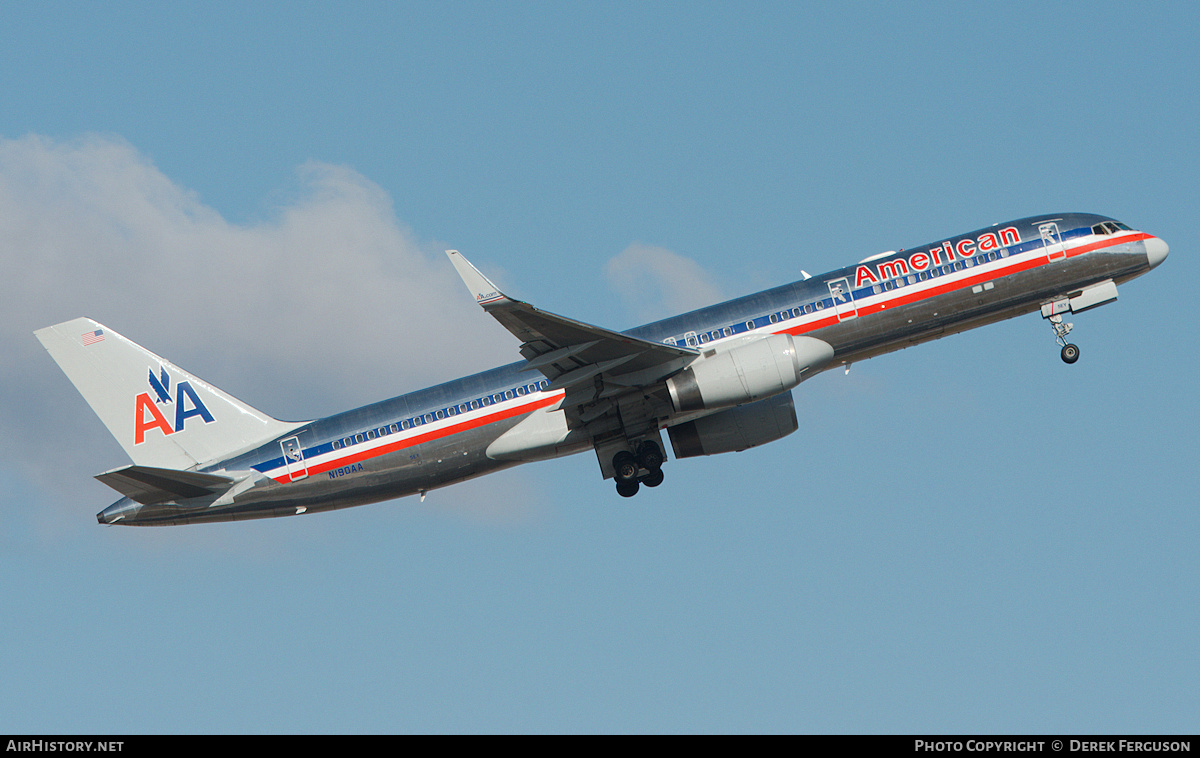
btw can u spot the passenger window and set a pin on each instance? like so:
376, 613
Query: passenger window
520, 391
358, 438
337, 444
475, 404
403, 425
441, 415
703, 338
728, 330
820, 305
395, 428
487, 401
452, 411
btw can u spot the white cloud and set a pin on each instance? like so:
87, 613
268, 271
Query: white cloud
328, 304
656, 282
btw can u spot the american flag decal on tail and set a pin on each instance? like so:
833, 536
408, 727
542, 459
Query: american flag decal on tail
91, 338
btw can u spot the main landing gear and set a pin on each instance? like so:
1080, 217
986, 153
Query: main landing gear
628, 467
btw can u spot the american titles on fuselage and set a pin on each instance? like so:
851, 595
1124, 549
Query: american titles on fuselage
937, 255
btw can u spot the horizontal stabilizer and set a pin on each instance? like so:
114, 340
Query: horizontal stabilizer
149, 485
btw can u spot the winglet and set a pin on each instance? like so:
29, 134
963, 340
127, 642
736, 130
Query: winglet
485, 293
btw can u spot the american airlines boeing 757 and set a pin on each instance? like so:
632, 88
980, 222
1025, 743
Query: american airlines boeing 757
718, 379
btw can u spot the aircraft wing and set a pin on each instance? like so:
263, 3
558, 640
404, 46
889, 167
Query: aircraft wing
570, 352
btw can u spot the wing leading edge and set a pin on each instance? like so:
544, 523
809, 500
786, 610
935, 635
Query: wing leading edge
570, 352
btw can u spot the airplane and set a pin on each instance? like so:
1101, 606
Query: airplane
717, 379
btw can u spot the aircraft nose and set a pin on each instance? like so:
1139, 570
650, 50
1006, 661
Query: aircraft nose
1156, 251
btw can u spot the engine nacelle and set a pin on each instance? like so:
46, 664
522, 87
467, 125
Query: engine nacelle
735, 429
748, 373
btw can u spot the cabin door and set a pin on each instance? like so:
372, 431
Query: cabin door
843, 299
293, 458
1055, 249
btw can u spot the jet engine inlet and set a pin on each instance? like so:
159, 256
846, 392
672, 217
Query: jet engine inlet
748, 372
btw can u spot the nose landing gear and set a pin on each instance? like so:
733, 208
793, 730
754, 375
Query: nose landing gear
1052, 312
1070, 352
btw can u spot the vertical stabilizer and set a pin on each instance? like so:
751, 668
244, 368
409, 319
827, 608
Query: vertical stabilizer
160, 414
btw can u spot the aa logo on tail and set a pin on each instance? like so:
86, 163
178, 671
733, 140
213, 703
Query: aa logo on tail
147, 415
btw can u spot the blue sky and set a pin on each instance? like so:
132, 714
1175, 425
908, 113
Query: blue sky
967, 536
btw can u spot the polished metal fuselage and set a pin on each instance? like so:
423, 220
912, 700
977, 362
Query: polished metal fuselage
406, 448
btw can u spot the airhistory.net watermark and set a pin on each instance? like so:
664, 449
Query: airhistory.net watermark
62, 746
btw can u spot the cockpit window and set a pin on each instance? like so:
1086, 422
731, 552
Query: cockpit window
1110, 227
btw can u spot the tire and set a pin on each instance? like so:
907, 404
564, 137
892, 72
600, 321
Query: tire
653, 479
649, 456
625, 468
1070, 353
627, 489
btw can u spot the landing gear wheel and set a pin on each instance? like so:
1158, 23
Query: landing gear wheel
1070, 353
627, 489
653, 479
649, 456
625, 470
